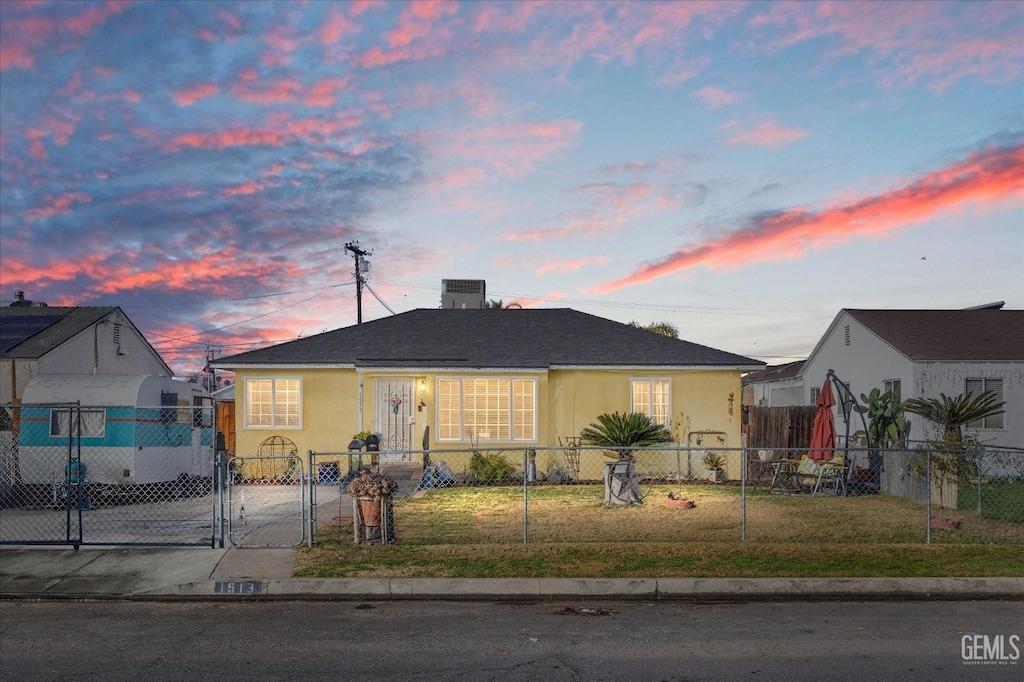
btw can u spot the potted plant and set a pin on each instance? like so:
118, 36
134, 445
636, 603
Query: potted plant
714, 462
621, 434
372, 492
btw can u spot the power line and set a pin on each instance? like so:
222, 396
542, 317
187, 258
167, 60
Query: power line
379, 299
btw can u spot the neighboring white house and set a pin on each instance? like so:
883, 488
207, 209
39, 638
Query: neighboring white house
39, 340
921, 354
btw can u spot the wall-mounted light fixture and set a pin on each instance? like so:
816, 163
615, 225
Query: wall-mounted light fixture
423, 385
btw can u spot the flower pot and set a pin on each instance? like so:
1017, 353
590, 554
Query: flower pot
716, 475
369, 511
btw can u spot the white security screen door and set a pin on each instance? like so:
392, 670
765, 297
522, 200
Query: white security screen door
395, 418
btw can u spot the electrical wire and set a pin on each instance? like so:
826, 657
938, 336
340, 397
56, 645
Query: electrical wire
379, 299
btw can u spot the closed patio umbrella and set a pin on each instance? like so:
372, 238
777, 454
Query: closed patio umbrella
823, 434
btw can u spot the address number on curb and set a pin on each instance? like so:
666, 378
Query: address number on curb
241, 587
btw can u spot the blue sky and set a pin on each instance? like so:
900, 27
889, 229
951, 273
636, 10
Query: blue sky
741, 170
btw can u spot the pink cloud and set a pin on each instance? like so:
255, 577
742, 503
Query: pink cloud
513, 149
322, 93
767, 134
417, 20
244, 188
568, 265
716, 98
988, 179
336, 25
24, 34
191, 95
278, 91
61, 205
909, 42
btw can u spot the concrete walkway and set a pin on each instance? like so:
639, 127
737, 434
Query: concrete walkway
146, 573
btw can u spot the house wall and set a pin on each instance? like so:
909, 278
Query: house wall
330, 410
93, 351
933, 378
567, 401
866, 363
15, 373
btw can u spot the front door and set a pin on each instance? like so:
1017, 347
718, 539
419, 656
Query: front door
395, 418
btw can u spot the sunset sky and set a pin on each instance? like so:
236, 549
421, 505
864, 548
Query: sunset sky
741, 170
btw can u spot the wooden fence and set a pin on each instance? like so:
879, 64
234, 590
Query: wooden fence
780, 427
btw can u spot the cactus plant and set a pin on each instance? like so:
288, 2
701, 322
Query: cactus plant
886, 425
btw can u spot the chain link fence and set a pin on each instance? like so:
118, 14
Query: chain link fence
81, 475
72, 474
679, 494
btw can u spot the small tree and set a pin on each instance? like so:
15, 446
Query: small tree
663, 328
951, 414
954, 457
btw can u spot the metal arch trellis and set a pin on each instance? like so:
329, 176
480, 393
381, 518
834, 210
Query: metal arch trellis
275, 446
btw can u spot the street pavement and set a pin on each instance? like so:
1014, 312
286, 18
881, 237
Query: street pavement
175, 573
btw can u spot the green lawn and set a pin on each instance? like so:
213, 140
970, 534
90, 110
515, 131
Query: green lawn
1000, 501
478, 532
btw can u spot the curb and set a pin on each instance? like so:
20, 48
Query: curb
550, 589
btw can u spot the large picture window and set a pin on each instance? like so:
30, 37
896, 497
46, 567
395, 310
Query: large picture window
64, 423
273, 403
481, 410
651, 396
978, 386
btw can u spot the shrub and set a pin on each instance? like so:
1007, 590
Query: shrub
490, 467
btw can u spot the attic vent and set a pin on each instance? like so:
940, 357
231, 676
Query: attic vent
463, 293
847, 335
117, 333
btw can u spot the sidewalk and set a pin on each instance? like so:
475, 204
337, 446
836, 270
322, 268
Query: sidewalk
146, 573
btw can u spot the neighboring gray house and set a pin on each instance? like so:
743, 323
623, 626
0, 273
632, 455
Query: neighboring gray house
774, 385
920, 354
39, 340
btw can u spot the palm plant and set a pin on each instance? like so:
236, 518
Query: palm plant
618, 430
953, 413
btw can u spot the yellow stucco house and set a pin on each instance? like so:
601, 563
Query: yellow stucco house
479, 378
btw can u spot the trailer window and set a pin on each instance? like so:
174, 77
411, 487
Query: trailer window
64, 423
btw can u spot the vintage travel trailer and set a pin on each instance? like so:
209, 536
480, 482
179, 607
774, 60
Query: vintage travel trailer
134, 429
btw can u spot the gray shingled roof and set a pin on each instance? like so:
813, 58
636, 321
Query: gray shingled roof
788, 370
25, 339
949, 335
529, 338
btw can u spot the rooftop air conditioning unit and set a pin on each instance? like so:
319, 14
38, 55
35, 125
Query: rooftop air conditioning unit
463, 293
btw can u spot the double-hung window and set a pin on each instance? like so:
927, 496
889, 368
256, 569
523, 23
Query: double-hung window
273, 403
978, 386
481, 410
651, 396
894, 386
65, 422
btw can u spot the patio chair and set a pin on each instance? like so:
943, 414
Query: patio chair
834, 472
798, 472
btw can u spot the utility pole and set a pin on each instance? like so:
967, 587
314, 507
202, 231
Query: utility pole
359, 255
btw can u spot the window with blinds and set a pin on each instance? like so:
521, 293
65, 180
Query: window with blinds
979, 386
486, 409
651, 397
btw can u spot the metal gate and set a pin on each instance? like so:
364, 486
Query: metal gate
107, 475
266, 501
